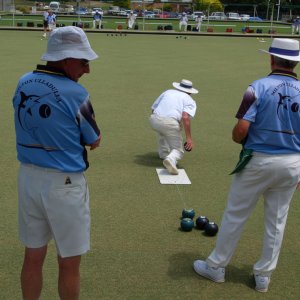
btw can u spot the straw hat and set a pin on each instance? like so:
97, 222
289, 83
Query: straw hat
284, 48
185, 86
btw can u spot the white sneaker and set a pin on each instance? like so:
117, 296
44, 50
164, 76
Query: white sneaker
262, 283
214, 274
170, 166
44, 35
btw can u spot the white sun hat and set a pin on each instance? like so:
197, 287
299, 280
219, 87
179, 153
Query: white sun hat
185, 86
284, 48
68, 42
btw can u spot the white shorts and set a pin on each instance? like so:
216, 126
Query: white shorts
51, 26
54, 204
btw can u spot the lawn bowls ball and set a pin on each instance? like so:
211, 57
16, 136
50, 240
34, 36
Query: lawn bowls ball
188, 213
211, 229
185, 148
186, 224
201, 222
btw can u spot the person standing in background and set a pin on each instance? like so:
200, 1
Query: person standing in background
183, 22
45, 22
97, 19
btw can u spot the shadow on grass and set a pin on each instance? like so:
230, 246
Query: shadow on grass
181, 266
149, 159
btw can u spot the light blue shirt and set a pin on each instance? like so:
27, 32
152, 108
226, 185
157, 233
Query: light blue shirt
54, 120
272, 104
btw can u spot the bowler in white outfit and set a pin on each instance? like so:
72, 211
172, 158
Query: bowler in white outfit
173, 108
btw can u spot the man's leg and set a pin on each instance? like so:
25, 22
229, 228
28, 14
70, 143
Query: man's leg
276, 207
32, 273
242, 199
163, 146
69, 277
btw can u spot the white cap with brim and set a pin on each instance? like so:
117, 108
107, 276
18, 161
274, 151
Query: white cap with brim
284, 48
68, 42
185, 86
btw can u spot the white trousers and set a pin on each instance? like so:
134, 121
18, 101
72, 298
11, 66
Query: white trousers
275, 178
95, 23
130, 23
168, 136
184, 24
296, 29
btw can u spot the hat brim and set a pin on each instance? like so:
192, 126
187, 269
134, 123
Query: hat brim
287, 57
87, 54
186, 90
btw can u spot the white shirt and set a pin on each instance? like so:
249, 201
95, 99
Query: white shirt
184, 19
172, 103
199, 20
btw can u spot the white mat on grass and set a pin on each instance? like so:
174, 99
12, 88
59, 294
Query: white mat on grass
165, 177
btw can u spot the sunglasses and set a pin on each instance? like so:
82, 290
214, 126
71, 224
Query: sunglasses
84, 62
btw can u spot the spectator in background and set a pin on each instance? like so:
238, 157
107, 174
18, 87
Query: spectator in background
97, 19
131, 20
296, 26
198, 20
183, 22
45, 22
51, 20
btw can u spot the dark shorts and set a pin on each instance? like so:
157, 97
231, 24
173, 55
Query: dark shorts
45, 24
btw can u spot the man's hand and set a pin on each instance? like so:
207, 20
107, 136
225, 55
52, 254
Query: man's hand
96, 143
188, 145
240, 130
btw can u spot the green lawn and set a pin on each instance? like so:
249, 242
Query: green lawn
137, 250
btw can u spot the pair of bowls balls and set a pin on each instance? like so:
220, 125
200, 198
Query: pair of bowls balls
187, 216
210, 228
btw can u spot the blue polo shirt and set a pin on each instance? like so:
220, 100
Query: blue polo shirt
54, 121
272, 104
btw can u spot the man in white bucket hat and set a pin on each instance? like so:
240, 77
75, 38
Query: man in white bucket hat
268, 127
55, 123
171, 109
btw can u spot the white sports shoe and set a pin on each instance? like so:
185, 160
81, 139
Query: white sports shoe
262, 283
214, 274
170, 166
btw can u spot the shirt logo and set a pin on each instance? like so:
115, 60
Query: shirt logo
68, 180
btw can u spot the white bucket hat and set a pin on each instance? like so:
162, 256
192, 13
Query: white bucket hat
284, 48
68, 42
185, 86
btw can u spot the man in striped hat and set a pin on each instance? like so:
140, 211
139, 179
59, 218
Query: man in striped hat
268, 127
